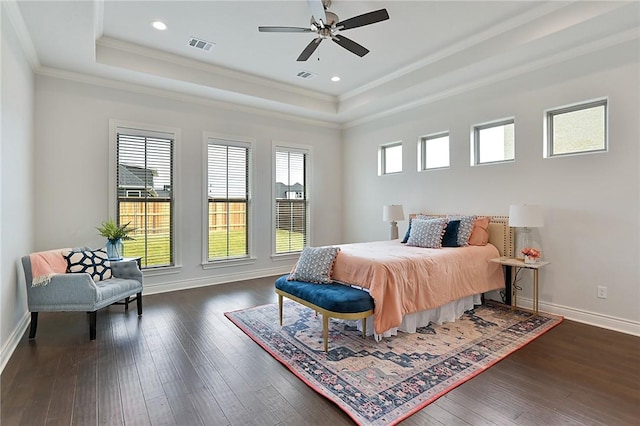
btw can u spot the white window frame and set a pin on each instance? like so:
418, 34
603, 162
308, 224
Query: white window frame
308, 151
150, 130
475, 140
548, 126
231, 140
422, 151
382, 158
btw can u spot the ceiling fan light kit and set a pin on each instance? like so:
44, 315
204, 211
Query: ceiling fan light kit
327, 25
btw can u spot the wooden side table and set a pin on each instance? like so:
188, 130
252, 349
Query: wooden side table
516, 263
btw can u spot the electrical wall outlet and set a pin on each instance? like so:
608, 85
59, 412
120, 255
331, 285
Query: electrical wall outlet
602, 292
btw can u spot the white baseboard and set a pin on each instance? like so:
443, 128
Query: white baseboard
599, 320
214, 280
12, 343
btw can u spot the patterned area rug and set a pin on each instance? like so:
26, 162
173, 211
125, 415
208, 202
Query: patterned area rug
382, 383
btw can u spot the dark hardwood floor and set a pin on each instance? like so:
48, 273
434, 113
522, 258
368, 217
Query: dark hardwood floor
184, 363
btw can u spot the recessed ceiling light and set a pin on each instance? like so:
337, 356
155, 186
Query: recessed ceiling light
335, 78
159, 25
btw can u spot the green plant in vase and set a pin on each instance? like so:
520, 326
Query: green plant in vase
115, 234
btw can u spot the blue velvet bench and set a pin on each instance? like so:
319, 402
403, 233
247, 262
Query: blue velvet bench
331, 300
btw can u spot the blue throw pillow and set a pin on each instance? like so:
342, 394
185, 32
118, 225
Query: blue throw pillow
450, 237
406, 236
315, 265
464, 231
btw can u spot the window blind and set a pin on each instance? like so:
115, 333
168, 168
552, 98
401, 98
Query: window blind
145, 196
228, 200
291, 203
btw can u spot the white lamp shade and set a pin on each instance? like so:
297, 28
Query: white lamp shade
392, 213
525, 216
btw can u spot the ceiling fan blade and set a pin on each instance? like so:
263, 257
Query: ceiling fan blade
308, 51
317, 10
364, 19
284, 30
350, 45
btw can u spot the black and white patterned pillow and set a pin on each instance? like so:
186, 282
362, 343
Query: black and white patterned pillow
93, 262
315, 265
427, 233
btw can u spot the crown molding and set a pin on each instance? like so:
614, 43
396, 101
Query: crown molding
177, 96
120, 45
10, 7
460, 46
616, 39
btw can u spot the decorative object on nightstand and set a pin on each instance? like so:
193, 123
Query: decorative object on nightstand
393, 213
531, 255
524, 217
509, 262
115, 234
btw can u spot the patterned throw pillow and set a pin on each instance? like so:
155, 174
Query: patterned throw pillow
464, 231
427, 233
93, 262
315, 265
417, 217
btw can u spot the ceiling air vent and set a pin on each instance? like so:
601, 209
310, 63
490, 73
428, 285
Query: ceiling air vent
306, 75
201, 44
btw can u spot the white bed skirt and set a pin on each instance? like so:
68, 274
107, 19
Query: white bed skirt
446, 313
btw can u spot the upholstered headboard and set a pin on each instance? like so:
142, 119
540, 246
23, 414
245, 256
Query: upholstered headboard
500, 234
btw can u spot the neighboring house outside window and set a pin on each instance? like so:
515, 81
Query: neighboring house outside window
144, 192
228, 169
291, 202
576, 129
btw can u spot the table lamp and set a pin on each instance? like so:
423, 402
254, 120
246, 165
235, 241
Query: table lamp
524, 217
393, 213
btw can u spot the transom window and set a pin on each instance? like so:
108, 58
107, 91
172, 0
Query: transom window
433, 151
576, 129
227, 199
390, 158
494, 142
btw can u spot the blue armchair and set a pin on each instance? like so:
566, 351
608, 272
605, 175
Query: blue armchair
79, 292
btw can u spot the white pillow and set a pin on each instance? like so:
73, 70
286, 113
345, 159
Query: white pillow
427, 233
315, 265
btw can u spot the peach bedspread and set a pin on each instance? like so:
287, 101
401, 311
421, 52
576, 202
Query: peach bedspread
404, 279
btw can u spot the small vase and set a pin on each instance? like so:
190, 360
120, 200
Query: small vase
114, 249
530, 259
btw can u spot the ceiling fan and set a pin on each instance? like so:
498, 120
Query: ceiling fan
327, 25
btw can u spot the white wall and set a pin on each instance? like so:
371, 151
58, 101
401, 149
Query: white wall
16, 179
591, 202
72, 159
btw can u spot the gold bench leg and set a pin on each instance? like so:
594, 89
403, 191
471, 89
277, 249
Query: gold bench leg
280, 308
364, 327
325, 326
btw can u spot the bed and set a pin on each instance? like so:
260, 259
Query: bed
413, 286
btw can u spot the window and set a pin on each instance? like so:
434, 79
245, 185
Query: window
433, 152
144, 178
494, 142
576, 129
291, 200
390, 158
227, 199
